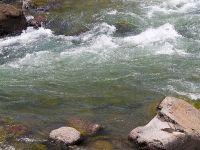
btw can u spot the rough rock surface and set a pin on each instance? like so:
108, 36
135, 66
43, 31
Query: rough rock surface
175, 127
12, 20
66, 135
37, 21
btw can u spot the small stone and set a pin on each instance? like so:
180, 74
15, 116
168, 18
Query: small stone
67, 135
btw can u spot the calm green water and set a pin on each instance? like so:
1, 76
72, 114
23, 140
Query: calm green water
134, 53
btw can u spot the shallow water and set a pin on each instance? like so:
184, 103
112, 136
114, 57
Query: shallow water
108, 74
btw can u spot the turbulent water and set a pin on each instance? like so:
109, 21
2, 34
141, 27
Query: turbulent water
107, 74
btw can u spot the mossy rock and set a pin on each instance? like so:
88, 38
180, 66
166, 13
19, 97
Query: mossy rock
84, 127
152, 108
101, 145
40, 3
16, 130
38, 147
124, 26
3, 135
6, 121
26, 146
195, 103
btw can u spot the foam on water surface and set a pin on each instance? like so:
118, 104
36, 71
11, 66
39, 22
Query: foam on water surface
151, 35
171, 6
102, 73
28, 36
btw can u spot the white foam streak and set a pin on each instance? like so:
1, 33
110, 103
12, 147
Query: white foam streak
35, 59
102, 28
174, 6
26, 37
162, 33
99, 40
169, 49
193, 96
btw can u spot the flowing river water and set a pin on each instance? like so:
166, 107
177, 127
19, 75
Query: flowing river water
109, 74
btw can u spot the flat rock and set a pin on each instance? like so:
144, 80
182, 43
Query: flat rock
175, 127
67, 135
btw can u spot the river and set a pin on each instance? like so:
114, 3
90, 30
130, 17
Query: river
109, 74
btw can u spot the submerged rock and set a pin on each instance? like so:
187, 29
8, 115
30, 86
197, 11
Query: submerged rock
101, 145
176, 126
84, 127
12, 20
37, 147
16, 130
66, 135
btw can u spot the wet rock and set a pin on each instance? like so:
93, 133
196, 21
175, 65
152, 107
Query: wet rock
30, 140
3, 135
66, 135
84, 127
37, 21
5, 121
37, 147
9, 130
40, 5
16, 130
12, 20
176, 126
124, 26
27, 4
6, 147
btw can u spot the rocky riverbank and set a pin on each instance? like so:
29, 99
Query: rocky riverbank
73, 18
175, 127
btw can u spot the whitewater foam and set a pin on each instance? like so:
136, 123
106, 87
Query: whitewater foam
173, 6
191, 89
193, 96
99, 29
97, 41
151, 35
27, 36
31, 60
169, 49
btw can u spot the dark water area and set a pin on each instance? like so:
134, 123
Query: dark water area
130, 55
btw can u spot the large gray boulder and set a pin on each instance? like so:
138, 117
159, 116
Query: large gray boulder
65, 135
12, 20
175, 127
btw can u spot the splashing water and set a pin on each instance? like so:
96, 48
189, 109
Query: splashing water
103, 75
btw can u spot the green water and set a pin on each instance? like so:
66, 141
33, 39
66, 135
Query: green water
133, 54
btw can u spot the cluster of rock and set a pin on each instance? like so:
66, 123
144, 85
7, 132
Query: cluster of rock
66, 136
14, 20
175, 127
14, 136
